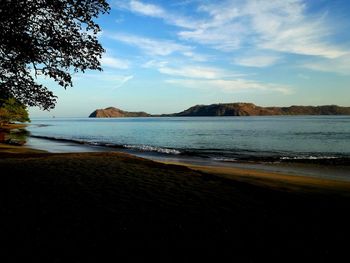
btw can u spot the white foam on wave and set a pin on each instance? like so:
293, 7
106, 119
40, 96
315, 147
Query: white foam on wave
308, 158
224, 159
148, 148
94, 143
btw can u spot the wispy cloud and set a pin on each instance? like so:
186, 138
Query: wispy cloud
220, 30
259, 61
155, 64
302, 39
195, 56
237, 85
195, 76
159, 47
198, 72
146, 9
113, 62
150, 46
190, 71
105, 79
282, 26
277, 25
339, 65
184, 2
226, 37
123, 80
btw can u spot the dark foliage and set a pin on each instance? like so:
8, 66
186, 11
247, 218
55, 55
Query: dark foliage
11, 110
53, 38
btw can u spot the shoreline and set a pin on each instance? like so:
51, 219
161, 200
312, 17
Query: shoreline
81, 205
310, 170
270, 179
265, 175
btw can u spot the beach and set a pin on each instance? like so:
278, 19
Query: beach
174, 131
87, 206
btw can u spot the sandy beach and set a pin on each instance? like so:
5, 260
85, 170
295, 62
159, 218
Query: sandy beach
87, 206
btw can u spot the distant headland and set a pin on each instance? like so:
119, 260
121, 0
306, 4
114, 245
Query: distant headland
229, 109
112, 112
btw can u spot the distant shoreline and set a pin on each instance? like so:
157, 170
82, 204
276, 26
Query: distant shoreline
230, 109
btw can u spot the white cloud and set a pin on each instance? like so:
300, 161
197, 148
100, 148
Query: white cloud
195, 76
116, 63
257, 61
123, 80
105, 79
189, 71
141, 8
146, 9
195, 56
197, 72
226, 37
229, 86
159, 47
155, 64
183, 2
302, 39
153, 46
339, 65
282, 26
220, 30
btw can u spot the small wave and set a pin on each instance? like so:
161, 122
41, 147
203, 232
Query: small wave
224, 159
143, 148
308, 157
148, 148
223, 155
40, 125
61, 139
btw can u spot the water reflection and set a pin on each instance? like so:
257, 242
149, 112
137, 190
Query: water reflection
14, 136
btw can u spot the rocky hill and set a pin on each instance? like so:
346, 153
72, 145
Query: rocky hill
231, 109
112, 112
249, 109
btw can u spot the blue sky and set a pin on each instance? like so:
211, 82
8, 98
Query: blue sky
165, 56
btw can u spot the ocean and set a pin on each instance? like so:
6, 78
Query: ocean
225, 139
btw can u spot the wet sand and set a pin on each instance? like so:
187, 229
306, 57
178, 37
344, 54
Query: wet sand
338, 171
81, 207
277, 180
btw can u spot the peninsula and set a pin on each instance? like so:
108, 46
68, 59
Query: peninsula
112, 112
230, 109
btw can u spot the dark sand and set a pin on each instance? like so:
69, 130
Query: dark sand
85, 207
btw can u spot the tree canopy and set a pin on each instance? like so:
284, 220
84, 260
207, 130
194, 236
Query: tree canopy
12, 110
52, 38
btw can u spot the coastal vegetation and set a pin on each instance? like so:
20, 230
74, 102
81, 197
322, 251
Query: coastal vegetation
46, 38
12, 114
12, 110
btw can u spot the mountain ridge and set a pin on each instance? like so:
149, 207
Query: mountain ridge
229, 109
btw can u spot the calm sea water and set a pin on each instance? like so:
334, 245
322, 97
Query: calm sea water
218, 138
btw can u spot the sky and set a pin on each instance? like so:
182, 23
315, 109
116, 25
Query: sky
165, 56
